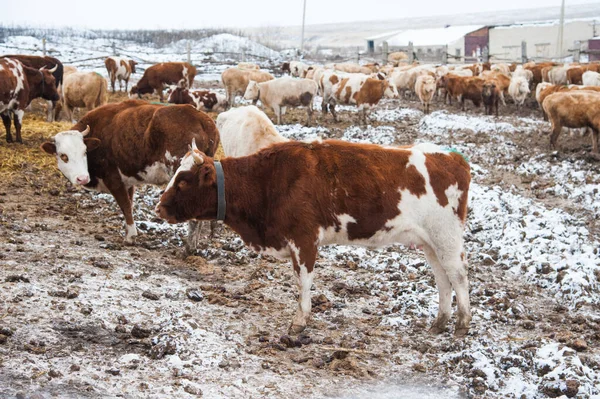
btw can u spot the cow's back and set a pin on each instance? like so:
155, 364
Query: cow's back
135, 134
366, 182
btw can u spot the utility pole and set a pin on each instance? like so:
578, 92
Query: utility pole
303, 22
561, 28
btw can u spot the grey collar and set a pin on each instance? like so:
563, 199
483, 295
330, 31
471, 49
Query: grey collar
221, 204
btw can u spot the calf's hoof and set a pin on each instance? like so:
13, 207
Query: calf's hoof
461, 332
296, 329
435, 330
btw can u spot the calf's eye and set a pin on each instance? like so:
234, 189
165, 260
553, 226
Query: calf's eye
64, 158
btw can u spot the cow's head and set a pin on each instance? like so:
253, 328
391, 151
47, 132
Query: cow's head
429, 84
71, 148
43, 82
523, 86
177, 95
488, 89
442, 82
132, 65
192, 192
390, 90
252, 91
140, 90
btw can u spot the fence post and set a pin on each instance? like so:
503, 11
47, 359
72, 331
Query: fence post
358, 55
577, 53
44, 46
411, 52
445, 55
523, 52
486, 54
384, 53
114, 48
189, 52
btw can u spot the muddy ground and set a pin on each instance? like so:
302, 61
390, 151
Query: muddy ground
82, 314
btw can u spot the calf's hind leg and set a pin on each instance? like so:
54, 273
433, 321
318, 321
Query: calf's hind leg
444, 291
455, 265
303, 260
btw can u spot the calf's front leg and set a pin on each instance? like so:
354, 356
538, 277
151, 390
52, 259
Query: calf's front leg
124, 198
303, 260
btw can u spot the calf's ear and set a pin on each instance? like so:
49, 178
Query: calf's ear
92, 143
49, 148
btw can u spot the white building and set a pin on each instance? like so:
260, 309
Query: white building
428, 44
541, 38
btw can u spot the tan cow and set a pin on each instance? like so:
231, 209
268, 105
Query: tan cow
425, 88
83, 90
247, 65
350, 67
575, 109
236, 81
284, 92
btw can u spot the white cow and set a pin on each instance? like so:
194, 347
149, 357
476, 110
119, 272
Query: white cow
518, 89
591, 78
245, 130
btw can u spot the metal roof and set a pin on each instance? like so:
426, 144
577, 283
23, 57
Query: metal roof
432, 37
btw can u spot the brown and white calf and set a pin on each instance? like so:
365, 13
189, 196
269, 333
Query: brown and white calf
203, 100
289, 199
19, 85
236, 81
157, 77
122, 145
119, 68
245, 130
83, 90
573, 109
355, 89
278, 94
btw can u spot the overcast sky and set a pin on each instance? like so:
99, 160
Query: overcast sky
190, 14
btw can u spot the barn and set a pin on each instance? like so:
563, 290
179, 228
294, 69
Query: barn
541, 38
429, 45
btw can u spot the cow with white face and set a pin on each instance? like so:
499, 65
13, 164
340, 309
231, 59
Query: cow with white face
71, 148
119, 146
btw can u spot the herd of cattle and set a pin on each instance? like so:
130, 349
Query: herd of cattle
287, 198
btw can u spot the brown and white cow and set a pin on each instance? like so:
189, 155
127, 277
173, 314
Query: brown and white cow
119, 68
83, 90
355, 89
122, 145
46, 62
289, 199
203, 100
236, 81
157, 77
278, 94
19, 85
